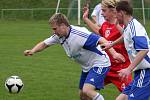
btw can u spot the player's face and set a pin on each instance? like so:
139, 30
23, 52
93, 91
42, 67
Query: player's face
120, 16
108, 13
59, 30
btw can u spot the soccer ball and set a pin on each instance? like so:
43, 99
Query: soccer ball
14, 84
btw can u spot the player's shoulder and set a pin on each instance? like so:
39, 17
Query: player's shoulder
134, 22
136, 25
79, 29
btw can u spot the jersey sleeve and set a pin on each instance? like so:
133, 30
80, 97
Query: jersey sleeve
92, 41
54, 39
140, 42
140, 38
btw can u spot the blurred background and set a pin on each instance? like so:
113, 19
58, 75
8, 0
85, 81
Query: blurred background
48, 75
43, 9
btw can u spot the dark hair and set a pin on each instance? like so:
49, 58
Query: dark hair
124, 6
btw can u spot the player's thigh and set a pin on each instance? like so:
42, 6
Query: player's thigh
141, 85
140, 93
82, 79
96, 77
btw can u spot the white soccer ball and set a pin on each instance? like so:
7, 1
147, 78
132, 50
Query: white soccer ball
14, 84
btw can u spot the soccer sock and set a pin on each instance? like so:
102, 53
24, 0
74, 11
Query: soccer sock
98, 97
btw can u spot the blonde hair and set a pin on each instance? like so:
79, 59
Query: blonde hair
109, 3
58, 19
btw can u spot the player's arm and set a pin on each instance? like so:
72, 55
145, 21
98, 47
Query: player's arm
37, 48
119, 40
116, 56
94, 18
139, 57
110, 44
94, 27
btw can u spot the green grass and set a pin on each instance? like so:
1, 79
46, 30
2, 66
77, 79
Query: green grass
48, 75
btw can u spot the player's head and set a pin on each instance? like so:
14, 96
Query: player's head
59, 19
124, 6
109, 9
109, 3
124, 9
59, 24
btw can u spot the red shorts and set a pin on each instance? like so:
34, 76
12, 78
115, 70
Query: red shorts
113, 77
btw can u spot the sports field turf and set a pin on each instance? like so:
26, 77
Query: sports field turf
49, 75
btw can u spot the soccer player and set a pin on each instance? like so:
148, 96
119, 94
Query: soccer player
97, 15
137, 44
109, 31
82, 46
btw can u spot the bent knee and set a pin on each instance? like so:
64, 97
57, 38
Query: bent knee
83, 96
86, 91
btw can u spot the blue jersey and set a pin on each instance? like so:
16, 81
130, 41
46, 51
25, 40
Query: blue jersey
136, 39
82, 46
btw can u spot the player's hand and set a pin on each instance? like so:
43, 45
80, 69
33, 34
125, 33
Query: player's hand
124, 73
119, 58
106, 46
28, 53
85, 12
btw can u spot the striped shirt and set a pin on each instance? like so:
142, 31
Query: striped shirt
81, 46
136, 39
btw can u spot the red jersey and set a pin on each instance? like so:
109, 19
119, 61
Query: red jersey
111, 33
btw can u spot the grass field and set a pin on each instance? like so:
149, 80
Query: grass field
49, 75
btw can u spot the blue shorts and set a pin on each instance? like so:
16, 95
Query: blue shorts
95, 77
139, 88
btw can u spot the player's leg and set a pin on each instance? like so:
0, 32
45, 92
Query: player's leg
125, 92
121, 84
141, 85
113, 77
83, 96
82, 80
89, 90
139, 88
95, 81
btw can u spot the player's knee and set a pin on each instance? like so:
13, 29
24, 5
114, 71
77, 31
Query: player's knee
83, 96
86, 91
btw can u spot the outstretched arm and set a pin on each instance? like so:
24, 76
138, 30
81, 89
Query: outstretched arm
37, 48
94, 27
